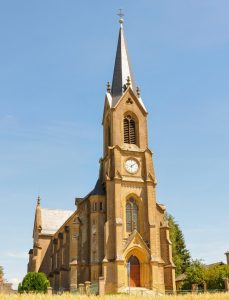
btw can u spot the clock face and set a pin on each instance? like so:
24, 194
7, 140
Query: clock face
131, 166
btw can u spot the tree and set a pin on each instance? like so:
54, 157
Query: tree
1, 271
181, 256
195, 272
215, 275
34, 282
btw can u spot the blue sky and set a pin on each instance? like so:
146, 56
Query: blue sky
55, 59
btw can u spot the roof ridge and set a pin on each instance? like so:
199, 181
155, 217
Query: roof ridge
58, 209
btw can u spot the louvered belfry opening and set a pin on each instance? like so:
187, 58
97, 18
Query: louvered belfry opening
129, 130
126, 130
131, 215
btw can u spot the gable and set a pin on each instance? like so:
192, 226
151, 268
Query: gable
129, 94
135, 241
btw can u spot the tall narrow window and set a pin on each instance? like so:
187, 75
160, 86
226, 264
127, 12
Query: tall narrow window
134, 216
131, 215
62, 256
129, 130
56, 260
128, 217
109, 136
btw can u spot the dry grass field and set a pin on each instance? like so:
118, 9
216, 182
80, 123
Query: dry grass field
220, 296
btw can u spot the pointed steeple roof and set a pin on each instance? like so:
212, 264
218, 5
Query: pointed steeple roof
122, 68
122, 77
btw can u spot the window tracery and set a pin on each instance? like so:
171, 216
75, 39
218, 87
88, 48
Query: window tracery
131, 215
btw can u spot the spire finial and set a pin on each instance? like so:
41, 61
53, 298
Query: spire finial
38, 200
120, 14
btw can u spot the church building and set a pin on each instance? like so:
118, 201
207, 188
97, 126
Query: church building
118, 232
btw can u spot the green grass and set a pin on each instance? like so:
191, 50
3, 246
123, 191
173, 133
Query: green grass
67, 296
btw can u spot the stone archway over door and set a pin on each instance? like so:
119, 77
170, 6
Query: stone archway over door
134, 271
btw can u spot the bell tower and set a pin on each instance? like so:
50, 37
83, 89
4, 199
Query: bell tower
135, 232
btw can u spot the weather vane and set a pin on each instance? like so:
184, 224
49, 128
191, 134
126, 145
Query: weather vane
120, 14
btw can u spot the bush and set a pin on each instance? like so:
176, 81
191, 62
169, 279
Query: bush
34, 282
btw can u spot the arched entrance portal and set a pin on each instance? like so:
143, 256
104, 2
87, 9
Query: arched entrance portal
134, 271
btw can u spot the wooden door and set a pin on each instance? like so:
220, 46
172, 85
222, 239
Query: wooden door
134, 271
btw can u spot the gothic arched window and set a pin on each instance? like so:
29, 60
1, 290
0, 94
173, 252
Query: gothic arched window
131, 215
129, 130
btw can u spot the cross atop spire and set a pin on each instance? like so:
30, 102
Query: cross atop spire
121, 15
122, 68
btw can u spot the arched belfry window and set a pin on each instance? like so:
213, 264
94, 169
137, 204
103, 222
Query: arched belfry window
129, 129
131, 215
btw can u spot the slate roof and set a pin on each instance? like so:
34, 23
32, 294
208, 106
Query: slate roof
98, 189
122, 70
53, 219
122, 67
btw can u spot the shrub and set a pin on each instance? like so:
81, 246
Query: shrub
34, 282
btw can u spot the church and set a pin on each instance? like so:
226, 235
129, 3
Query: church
118, 233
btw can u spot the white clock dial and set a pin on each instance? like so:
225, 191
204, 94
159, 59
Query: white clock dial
131, 166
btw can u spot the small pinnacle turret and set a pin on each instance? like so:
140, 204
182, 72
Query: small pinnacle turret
108, 87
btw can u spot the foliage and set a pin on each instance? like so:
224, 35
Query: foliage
1, 271
34, 282
181, 256
215, 275
195, 273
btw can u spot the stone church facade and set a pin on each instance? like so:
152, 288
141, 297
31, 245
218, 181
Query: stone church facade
118, 226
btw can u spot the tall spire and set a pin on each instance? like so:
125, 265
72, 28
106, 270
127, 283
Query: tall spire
122, 68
